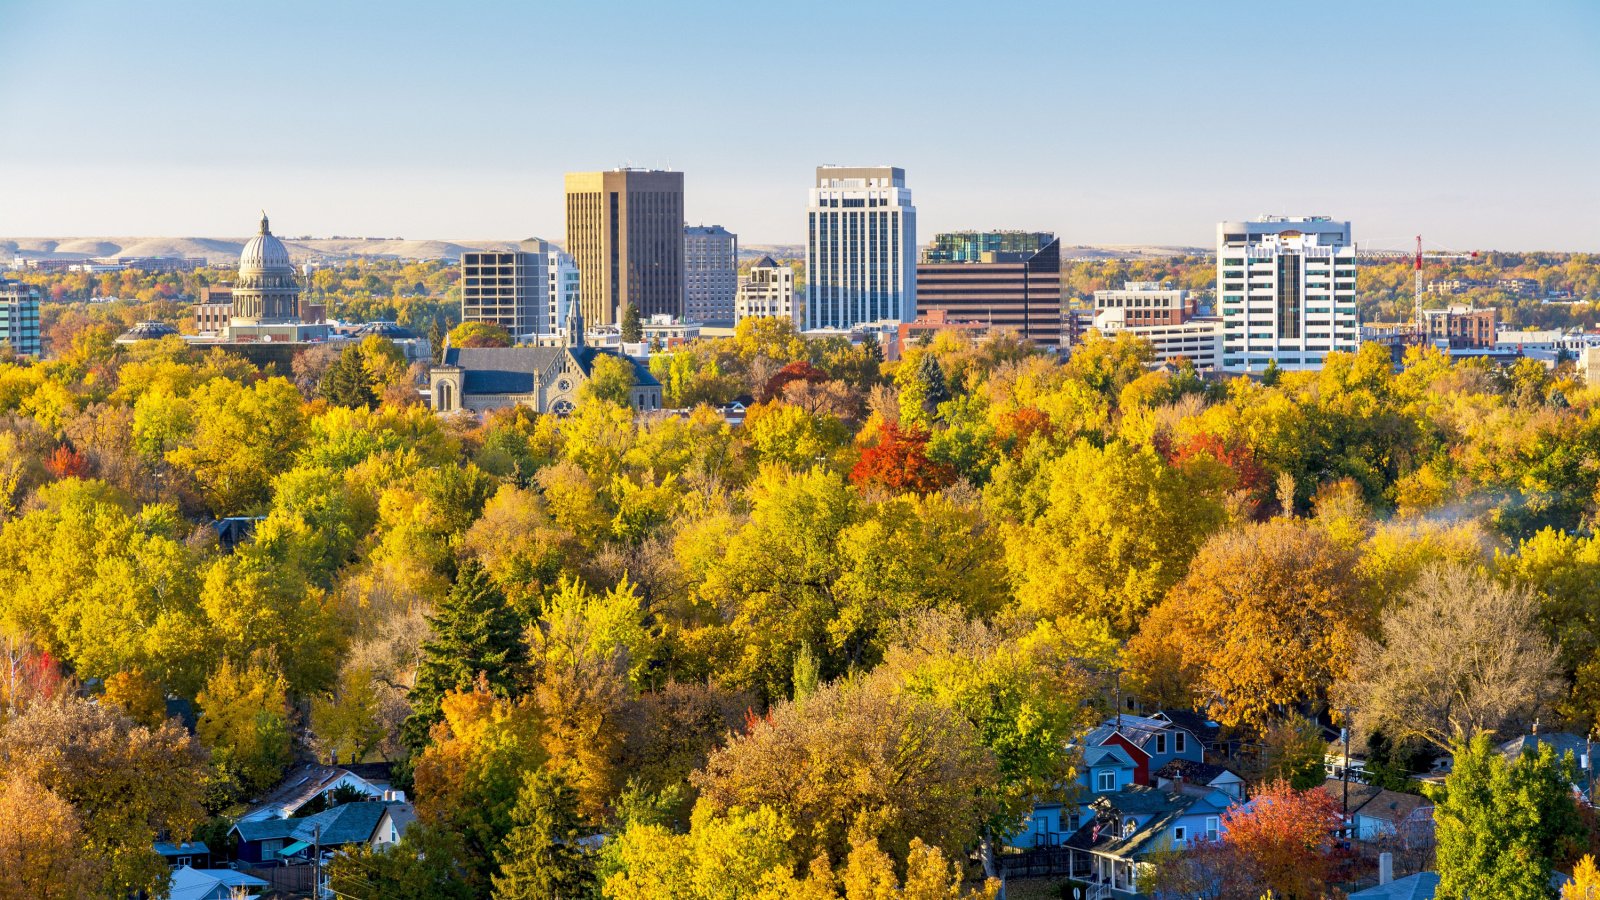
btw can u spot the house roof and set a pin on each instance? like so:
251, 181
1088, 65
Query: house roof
511, 370
1194, 772
401, 815
197, 884
1420, 886
1098, 736
372, 773
188, 848
345, 824
1107, 754
1192, 722
1377, 803
303, 783
1162, 808
1139, 730
765, 263
1559, 741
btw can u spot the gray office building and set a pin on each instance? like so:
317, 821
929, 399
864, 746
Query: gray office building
710, 274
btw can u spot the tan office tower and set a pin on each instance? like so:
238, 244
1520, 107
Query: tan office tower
625, 230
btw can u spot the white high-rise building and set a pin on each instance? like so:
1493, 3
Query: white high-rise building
528, 291
710, 273
768, 291
1286, 288
861, 248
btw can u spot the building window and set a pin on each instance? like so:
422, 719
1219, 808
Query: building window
1105, 780
183, 861
1129, 826
1161, 743
1180, 834
1213, 827
1178, 742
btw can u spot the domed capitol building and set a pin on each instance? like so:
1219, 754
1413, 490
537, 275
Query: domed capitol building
266, 291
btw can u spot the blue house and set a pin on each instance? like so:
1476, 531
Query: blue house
280, 841
1104, 769
1132, 823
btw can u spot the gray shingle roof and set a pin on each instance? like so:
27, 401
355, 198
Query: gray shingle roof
345, 824
511, 370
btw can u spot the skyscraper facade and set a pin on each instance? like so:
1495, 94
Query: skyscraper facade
985, 246
19, 318
861, 244
1286, 286
1021, 295
525, 291
625, 231
710, 274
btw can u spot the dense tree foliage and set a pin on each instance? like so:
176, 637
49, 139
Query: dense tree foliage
721, 638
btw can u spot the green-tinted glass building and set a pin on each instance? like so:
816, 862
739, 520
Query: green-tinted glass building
986, 246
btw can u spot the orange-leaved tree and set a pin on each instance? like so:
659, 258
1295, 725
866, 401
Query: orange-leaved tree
900, 463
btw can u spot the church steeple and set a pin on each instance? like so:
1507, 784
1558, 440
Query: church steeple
574, 328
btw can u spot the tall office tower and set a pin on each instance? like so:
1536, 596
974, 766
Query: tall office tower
625, 230
710, 274
525, 291
985, 246
861, 248
1012, 290
768, 291
19, 318
1287, 290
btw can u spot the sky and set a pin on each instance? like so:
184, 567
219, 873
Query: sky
1475, 124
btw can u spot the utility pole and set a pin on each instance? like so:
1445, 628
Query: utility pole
1344, 769
316, 861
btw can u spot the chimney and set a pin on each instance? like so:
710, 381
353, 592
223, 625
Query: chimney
1385, 868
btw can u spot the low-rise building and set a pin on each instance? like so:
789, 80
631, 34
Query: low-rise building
1459, 327
1019, 292
1198, 340
1147, 303
767, 291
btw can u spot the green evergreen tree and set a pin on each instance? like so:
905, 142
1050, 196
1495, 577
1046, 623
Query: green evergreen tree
805, 672
632, 325
1502, 825
474, 632
345, 382
544, 858
930, 376
436, 340
1271, 374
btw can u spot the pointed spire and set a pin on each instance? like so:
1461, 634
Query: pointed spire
264, 229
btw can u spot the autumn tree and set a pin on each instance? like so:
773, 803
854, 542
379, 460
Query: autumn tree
899, 462
1115, 529
1265, 618
479, 334
244, 721
475, 633
836, 757
1462, 655
426, 864
95, 780
1503, 824
611, 378
43, 852
1281, 842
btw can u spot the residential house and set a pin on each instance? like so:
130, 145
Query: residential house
214, 884
1130, 824
392, 825
1103, 770
1423, 885
1206, 730
188, 853
275, 841
1151, 742
1562, 742
1188, 775
1377, 813
303, 784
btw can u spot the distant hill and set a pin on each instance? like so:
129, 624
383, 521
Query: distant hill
225, 251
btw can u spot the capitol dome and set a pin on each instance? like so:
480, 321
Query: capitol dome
264, 253
265, 291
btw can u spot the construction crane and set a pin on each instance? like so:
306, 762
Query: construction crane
1418, 257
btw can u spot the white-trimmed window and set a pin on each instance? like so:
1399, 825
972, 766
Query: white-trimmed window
1178, 742
1161, 743
1213, 827
1180, 833
1105, 779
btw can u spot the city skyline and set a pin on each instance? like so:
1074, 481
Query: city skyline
1467, 123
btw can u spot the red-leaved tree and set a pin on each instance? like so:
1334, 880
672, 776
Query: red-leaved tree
1015, 428
900, 463
66, 462
1283, 840
799, 370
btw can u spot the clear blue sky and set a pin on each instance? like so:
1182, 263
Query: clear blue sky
1477, 124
